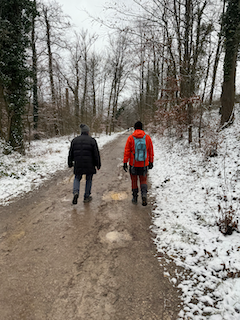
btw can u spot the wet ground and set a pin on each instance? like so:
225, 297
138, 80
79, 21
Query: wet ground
92, 261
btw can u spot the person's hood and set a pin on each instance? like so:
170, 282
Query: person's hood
138, 133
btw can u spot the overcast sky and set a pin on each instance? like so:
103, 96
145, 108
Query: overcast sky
81, 12
76, 9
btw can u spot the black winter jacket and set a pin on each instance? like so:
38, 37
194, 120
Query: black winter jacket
85, 154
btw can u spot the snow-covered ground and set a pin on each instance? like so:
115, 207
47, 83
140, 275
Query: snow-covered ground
191, 193
19, 174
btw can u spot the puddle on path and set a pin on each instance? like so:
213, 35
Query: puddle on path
16, 236
115, 236
115, 196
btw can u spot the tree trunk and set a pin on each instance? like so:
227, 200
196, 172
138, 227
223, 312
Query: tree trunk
108, 112
83, 102
115, 99
217, 57
15, 130
185, 70
93, 94
216, 62
76, 96
76, 104
228, 92
141, 102
190, 116
50, 58
206, 77
2, 106
34, 74
67, 101
232, 38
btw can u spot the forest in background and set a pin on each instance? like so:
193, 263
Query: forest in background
161, 65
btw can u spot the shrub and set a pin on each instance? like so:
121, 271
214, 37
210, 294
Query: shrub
227, 221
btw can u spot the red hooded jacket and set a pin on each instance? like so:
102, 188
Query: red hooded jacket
130, 150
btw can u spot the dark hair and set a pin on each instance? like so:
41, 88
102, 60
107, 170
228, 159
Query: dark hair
138, 125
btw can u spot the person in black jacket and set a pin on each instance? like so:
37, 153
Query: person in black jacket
86, 157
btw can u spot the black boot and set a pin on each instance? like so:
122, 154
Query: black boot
87, 199
144, 194
144, 200
135, 196
75, 198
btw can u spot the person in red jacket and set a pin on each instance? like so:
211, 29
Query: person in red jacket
138, 169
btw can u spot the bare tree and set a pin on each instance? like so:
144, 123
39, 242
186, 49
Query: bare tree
176, 49
118, 73
53, 26
87, 42
72, 76
34, 69
77, 75
56, 23
186, 36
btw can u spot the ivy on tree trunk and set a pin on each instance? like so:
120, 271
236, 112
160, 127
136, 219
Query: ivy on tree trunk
15, 20
231, 25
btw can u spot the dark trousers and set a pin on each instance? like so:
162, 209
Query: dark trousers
143, 184
88, 186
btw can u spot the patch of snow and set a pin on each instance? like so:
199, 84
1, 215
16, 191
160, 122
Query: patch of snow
189, 188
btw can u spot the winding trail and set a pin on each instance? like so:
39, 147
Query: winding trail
92, 261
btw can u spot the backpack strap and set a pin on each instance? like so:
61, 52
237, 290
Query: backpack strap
132, 152
144, 152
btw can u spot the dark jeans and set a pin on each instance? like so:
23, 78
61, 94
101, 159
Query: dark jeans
88, 187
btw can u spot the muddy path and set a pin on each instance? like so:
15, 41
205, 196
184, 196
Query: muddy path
89, 261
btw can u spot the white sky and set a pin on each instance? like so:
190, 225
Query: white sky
76, 9
84, 12
81, 12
